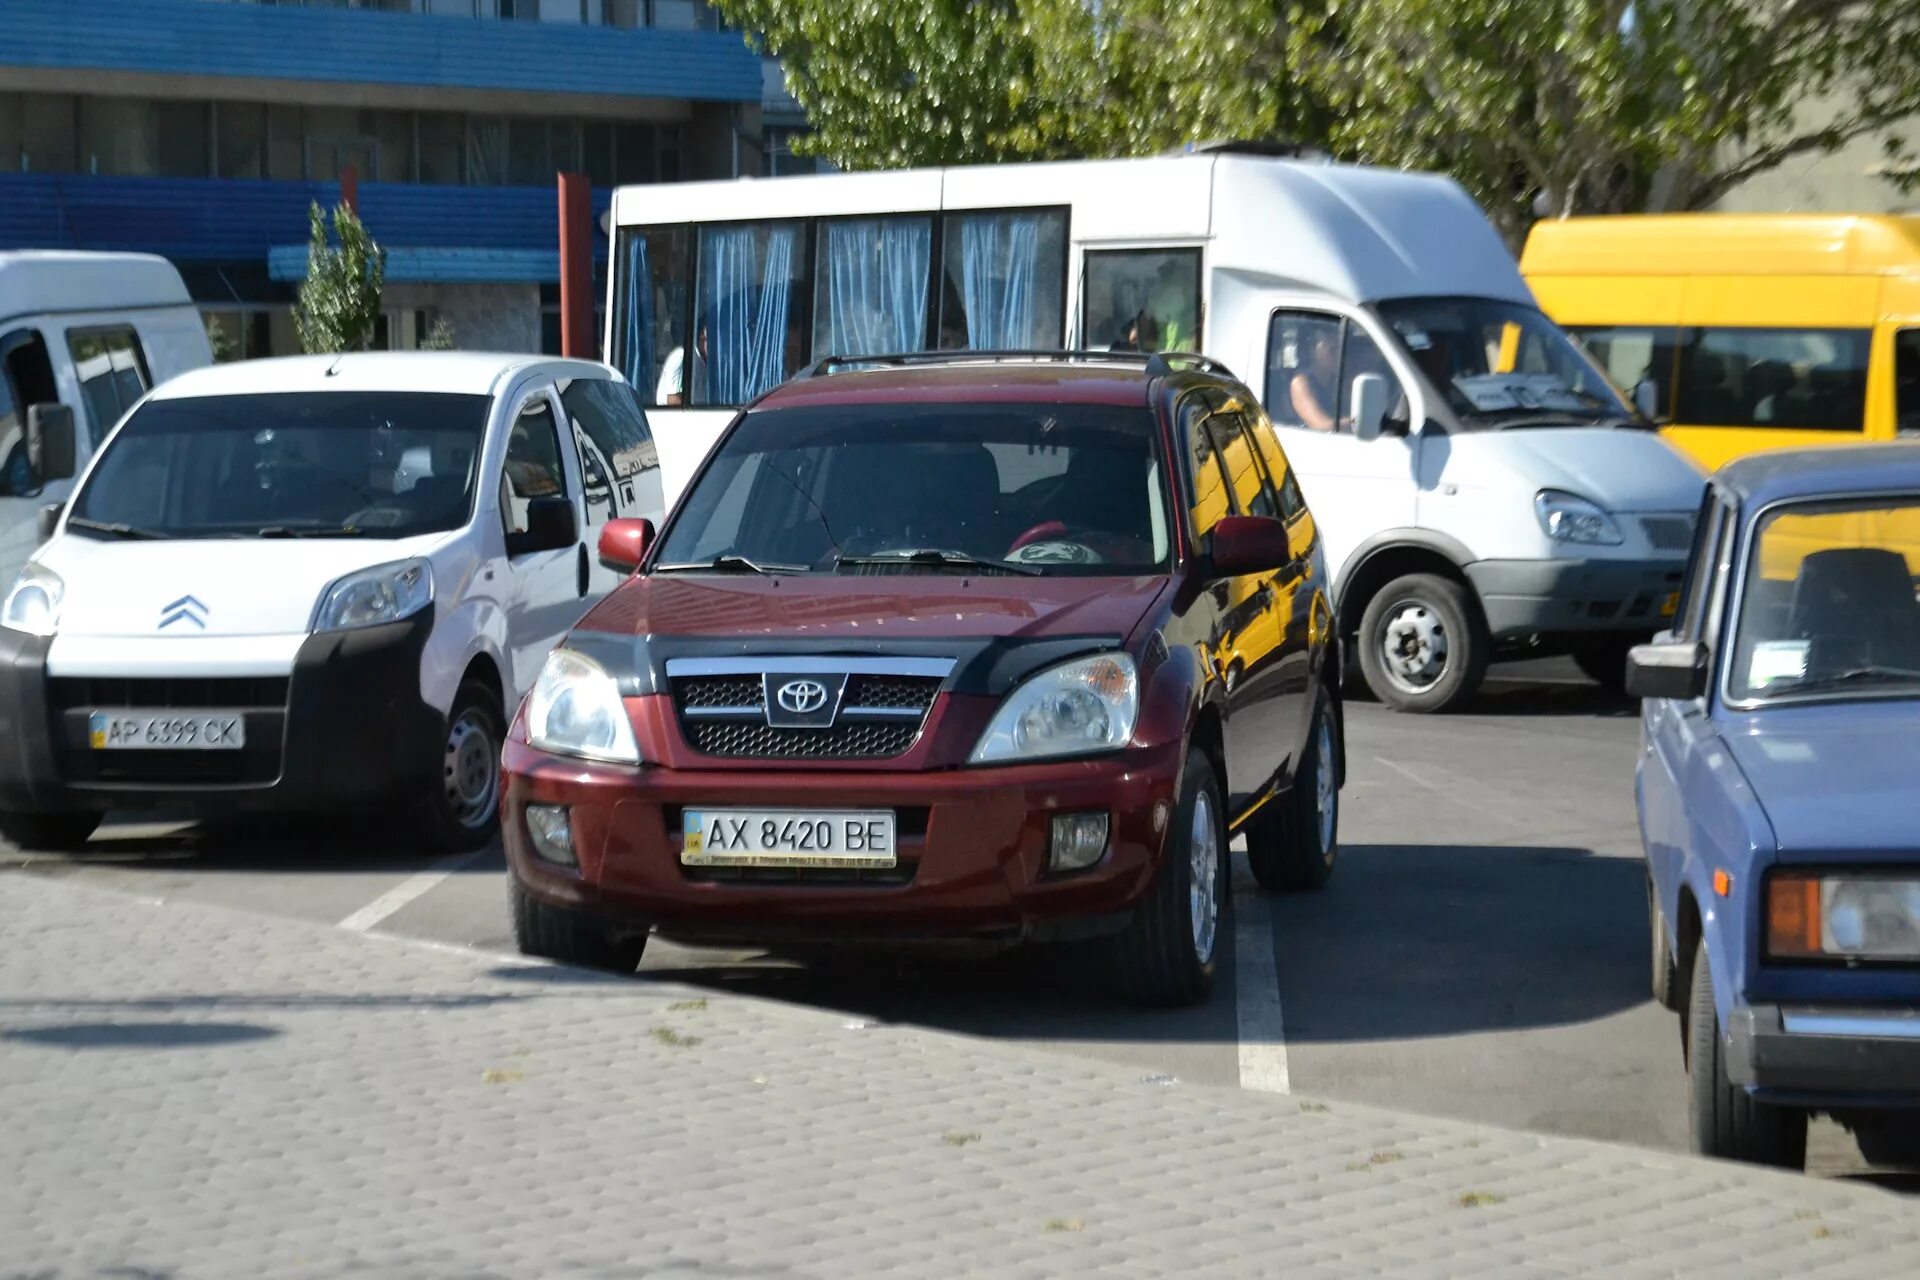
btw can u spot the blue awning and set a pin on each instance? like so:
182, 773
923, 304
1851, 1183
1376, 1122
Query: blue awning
439, 266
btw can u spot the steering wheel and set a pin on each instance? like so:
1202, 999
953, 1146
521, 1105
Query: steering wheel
1045, 531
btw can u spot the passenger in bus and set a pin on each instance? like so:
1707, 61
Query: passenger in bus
672, 387
1316, 383
1171, 308
1138, 332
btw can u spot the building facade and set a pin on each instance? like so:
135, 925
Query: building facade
205, 129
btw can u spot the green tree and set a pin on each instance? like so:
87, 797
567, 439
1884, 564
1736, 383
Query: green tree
339, 302
1556, 107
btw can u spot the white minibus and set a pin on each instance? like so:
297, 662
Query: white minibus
1480, 488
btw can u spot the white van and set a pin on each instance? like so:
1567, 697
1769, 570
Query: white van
1479, 486
317, 584
90, 333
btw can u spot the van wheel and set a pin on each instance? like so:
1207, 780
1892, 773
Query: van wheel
1293, 842
1422, 645
1170, 949
1725, 1120
48, 832
555, 933
463, 812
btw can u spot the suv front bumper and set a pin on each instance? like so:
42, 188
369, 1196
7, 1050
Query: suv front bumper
345, 728
1835, 1056
1553, 597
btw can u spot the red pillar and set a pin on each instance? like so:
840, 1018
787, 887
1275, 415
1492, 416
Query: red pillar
576, 266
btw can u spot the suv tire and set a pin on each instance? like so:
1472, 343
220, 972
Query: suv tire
1170, 950
1423, 647
571, 937
1295, 840
48, 832
1725, 1120
463, 811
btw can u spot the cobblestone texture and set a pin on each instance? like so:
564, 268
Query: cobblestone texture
187, 1091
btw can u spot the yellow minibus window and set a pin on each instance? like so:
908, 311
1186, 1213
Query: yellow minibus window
1906, 381
1810, 379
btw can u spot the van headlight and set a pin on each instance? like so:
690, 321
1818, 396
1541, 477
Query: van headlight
575, 709
1074, 709
1843, 916
1568, 517
384, 593
33, 606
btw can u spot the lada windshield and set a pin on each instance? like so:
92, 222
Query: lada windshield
377, 464
916, 488
1501, 364
1828, 608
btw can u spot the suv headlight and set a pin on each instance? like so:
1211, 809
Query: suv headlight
575, 709
1841, 917
1568, 517
1074, 709
384, 593
33, 606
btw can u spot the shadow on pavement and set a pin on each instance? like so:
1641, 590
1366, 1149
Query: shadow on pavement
276, 846
1468, 939
139, 1035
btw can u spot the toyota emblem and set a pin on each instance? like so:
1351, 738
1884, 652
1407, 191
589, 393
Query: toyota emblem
802, 696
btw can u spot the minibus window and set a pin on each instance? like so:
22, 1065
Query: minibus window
872, 278
1003, 280
1906, 381
1636, 355
1142, 300
1312, 361
650, 313
751, 319
1811, 379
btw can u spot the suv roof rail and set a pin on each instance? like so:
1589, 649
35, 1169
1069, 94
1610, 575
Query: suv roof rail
1156, 364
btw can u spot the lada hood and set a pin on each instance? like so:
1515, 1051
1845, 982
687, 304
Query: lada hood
1621, 469
1837, 779
873, 610
207, 586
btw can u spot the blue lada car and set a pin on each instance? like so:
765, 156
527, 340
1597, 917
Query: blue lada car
1779, 789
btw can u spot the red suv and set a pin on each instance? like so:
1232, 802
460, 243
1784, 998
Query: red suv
945, 646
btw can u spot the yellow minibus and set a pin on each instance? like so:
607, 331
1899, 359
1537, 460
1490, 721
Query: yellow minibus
1740, 333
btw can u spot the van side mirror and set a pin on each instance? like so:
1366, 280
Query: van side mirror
1646, 398
50, 445
624, 544
1667, 669
550, 527
1369, 405
1249, 544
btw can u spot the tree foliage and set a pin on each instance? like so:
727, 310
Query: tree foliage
1557, 106
339, 304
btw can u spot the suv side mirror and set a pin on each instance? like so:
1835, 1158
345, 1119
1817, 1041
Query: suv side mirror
1249, 544
1667, 669
550, 527
1369, 406
624, 544
50, 446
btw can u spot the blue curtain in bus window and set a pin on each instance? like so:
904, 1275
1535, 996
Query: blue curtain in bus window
875, 271
746, 298
638, 361
1000, 280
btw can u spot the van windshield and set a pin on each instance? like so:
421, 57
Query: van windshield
376, 464
1029, 489
1503, 365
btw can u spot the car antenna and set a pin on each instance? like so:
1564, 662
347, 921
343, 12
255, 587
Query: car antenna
334, 368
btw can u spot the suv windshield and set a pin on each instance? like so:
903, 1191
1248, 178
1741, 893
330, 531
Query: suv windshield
379, 464
1829, 607
1501, 364
865, 488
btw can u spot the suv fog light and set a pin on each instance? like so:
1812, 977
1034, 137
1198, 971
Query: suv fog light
1078, 841
551, 831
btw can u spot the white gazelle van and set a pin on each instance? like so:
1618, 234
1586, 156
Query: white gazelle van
317, 584
1479, 487
82, 336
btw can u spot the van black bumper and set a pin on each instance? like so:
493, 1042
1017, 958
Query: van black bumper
346, 728
1553, 597
1827, 1056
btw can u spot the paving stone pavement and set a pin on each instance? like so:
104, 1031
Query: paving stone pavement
187, 1091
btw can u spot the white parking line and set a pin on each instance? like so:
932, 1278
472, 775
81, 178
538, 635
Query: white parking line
1256, 983
407, 890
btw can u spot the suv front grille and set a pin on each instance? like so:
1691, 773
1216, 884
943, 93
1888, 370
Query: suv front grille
720, 691
847, 740
723, 706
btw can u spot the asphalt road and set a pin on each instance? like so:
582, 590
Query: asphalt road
1480, 953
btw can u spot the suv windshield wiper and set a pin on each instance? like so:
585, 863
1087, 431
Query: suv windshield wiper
731, 564
1856, 675
117, 530
284, 531
936, 556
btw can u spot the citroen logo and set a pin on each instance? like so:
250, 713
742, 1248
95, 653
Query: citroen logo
802, 696
185, 609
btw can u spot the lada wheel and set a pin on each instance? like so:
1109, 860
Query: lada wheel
463, 811
1170, 949
1666, 978
1422, 647
1293, 842
1725, 1120
555, 933
49, 832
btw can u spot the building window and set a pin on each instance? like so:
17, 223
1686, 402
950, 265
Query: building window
286, 144
240, 136
143, 138
49, 133
778, 157
443, 140
486, 151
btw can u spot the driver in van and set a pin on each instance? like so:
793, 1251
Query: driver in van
1316, 383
